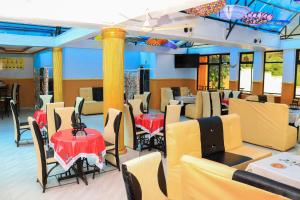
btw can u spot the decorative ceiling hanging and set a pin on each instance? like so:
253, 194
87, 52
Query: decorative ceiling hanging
156, 42
257, 18
207, 9
234, 12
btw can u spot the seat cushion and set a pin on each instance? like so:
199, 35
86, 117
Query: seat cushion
92, 107
226, 158
254, 153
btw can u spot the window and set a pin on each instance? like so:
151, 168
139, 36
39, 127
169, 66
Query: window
246, 71
213, 72
273, 72
297, 77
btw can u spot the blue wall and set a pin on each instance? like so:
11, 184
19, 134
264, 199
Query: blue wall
81, 63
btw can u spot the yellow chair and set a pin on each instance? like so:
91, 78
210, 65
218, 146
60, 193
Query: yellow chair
50, 117
194, 138
265, 124
44, 100
194, 111
216, 103
184, 91
207, 180
137, 106
206, 104
166, 96
133, 136
144, 178
145, 97
64, 118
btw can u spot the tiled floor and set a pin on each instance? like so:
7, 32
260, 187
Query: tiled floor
18, 171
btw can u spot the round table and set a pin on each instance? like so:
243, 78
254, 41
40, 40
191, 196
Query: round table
41, 118
151, 123
69, 149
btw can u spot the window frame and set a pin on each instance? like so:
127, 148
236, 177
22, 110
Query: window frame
241, 63
297, 62
208, 66
265, 53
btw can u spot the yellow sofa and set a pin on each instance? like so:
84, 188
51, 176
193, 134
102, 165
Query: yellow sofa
265, 124
184, 138
207, 180
90, 106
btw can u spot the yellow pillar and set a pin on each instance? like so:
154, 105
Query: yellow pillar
113, 74
57, 75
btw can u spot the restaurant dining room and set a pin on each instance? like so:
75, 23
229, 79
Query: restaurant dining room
150, 100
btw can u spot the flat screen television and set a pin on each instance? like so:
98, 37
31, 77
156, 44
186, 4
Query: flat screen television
186, 60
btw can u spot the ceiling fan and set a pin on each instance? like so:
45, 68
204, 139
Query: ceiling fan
160, 24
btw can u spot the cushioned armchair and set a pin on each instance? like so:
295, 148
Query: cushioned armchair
166, 96
265, 124
145, 186
194, 111
207, 180
195, 138
93, 100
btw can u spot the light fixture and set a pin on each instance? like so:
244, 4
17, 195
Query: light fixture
257, 18
234, 12
207, 9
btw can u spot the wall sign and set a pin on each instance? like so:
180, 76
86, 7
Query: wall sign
11, 63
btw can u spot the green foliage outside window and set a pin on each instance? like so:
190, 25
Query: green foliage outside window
275, 68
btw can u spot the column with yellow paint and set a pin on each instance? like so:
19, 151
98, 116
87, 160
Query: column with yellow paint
113, 74
57, 75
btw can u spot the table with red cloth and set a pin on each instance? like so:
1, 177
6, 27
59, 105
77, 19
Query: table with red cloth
68, 148
40, 117
151, 123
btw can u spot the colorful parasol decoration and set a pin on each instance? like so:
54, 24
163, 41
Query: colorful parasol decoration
170, 44
234, 12
257, 18
156, 41
207, 9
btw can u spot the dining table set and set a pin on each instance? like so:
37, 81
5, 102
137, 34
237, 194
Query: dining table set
74, 149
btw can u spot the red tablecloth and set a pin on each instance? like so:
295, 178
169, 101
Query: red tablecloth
151, 123
225, 102
68, 148
41, 118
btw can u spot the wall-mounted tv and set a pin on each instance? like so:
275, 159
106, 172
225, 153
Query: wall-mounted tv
186, 60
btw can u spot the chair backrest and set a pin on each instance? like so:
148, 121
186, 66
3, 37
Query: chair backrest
15, 92
40, 151
86, 93
146, 100
112, 126
271, 98
137, 106
186, 138
50, 117
78, 105
141, 185
228, 183
265, 124
184, 91
44, 100
64, 118
236, 94
216, 103
166, 96
172, 114
130, 128
227, 94
15, 116
206, 106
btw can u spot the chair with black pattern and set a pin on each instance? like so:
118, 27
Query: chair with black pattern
43, 100
144, 178
216, 103
78, 106
50, 107
134, 137
19, 127
137, 106
44, 158
64, 118
111, 137
171, 115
